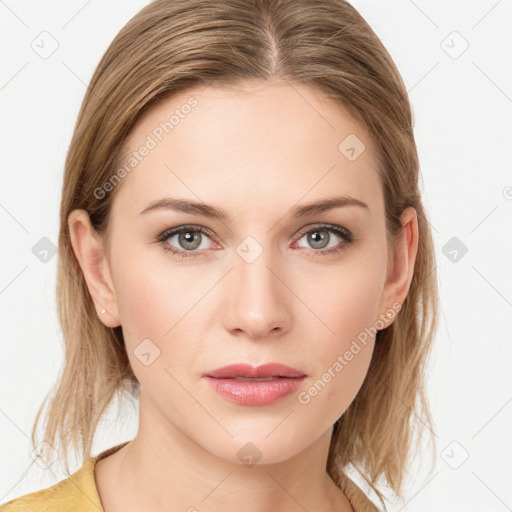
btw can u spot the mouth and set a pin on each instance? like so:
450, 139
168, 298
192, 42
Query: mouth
242, 371
263, 385
261, 379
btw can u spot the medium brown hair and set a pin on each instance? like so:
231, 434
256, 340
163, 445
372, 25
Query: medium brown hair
171, 45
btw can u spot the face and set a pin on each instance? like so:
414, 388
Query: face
261, 283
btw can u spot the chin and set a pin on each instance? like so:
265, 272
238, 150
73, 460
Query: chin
265, 444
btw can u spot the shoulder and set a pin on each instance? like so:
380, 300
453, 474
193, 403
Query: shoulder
68, 495
76, 493
357, 498
57, 497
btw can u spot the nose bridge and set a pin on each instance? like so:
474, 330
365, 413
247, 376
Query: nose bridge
258, 302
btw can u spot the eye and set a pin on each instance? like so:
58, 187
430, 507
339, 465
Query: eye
321, 240
189, 240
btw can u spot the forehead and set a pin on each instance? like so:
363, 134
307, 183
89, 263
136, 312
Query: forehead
264, 142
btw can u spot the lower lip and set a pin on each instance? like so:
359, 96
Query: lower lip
257, 392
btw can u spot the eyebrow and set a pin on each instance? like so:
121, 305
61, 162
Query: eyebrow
195, 208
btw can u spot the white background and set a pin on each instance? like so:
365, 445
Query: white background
462, 109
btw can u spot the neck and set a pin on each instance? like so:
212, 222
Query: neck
162, 469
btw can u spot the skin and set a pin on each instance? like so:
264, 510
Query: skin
257, 154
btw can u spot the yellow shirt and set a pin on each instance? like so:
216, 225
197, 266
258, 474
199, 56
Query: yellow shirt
78, 493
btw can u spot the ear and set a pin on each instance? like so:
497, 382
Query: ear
401, 266
89, 250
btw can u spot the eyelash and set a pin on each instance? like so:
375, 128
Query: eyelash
341, 232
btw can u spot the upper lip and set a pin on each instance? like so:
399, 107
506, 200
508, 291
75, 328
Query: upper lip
262, 371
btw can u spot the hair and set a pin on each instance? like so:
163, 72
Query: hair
170, 46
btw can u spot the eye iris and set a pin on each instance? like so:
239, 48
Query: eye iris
189, 237
317, 241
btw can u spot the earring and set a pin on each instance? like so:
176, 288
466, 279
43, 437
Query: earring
104, 310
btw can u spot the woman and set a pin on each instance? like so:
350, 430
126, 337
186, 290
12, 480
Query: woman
243, 248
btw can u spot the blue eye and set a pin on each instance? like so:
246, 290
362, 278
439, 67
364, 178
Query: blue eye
191, 239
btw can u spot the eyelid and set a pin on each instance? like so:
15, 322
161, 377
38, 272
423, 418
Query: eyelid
178, 229
343, 232
184, 227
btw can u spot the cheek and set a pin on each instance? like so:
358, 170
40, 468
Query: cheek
346, 306
342, 357
154, 301
345, 299
143, 300
156, 317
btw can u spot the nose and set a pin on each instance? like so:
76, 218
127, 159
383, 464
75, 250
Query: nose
258, 302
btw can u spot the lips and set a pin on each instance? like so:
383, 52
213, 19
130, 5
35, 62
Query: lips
263, 385
266, 372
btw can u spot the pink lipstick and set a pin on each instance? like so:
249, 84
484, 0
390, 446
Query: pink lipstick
263, 385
